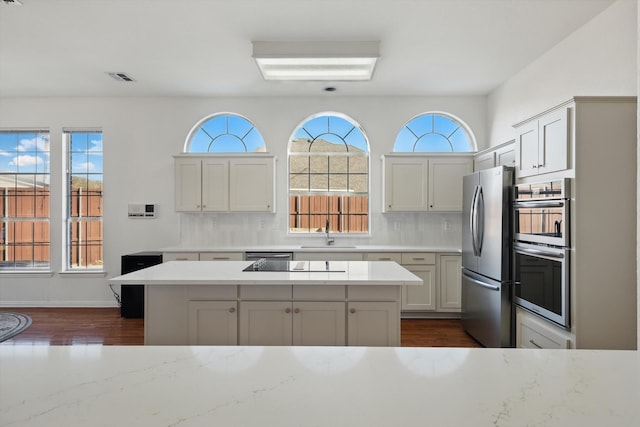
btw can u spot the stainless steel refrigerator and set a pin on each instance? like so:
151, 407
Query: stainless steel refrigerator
486, 256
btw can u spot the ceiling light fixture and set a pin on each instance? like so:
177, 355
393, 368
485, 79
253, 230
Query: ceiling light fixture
335, 61
13, 2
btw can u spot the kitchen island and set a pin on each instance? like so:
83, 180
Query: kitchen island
310, 303
141, 386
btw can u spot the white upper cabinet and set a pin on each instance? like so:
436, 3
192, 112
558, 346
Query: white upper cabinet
424, 183
542, 144
224, 184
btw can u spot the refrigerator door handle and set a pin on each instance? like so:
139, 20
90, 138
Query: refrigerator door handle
480, 220
484, 285
473, 220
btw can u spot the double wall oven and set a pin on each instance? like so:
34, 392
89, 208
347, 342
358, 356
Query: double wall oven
541, 249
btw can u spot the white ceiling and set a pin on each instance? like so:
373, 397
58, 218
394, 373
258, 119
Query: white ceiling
203, 47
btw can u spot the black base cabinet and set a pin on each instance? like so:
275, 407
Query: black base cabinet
132, 296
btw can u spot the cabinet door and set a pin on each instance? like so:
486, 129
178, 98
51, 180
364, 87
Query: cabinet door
319, 323
373, 324
221, 256
405, 184
188, 184
420, 297
527, 150
212, 323
484, 161
445, 183
450, 282
251, 184
215, 185
328, 256
265, 323
553, 147
179, 256
506, 156
533, 332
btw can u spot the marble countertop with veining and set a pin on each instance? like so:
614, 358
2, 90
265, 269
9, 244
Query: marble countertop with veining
316, 386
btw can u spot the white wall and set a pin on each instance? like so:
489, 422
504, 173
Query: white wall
142, 134
597, 59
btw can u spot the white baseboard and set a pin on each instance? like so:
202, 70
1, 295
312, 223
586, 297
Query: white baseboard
52, 304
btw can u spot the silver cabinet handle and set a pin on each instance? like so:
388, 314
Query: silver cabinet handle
534, 343
232, 310
352, 311
287, 310
297, 310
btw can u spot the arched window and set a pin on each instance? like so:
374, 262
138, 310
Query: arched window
329, 176
435, 132
224, 133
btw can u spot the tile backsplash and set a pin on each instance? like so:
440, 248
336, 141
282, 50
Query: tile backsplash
255, 229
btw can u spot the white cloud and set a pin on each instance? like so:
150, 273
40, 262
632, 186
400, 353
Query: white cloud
5, 154
30, 144
96, 145
25, 160
83, 167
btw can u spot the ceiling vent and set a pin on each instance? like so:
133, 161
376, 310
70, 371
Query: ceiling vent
121, 77
12, 2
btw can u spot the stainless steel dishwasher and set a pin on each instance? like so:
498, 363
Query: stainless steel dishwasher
282, 256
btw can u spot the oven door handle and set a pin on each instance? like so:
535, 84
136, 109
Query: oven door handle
541, 204
539, 252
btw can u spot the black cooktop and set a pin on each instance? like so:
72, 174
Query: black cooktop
264, 264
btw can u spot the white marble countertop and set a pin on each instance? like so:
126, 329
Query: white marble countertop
79, 386
314, 248
230, 273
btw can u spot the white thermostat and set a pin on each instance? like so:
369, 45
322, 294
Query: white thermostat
141, 210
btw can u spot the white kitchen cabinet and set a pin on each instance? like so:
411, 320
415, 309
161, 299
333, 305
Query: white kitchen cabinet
266, 323
542, 144
405, 184
373, 323
534, 332
292, 323
506, 155
251, 184
449, 282
180, 256
212, 322
221, 256
216, 183
445, 183
423, 297
201, 184
417, 182
484, 160
319, 323
501, 155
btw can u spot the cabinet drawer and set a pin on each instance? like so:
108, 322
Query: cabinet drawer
384, 256
319, 293
373, 293
180, 256
411, 258
221, 256
265, 292
212, 292
534, 333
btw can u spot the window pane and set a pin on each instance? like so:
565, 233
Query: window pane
431, 132
299, 182
334, 139
226, 133
359, 183
319, 164
298, 164
338, 164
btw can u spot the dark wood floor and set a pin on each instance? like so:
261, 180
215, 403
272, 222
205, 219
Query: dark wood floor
85, 326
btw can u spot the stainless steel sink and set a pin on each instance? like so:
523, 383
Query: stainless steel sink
326, 247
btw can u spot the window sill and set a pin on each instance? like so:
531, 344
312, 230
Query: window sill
26, 273
85, 273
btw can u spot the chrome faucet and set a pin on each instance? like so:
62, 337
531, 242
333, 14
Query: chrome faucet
330, 240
